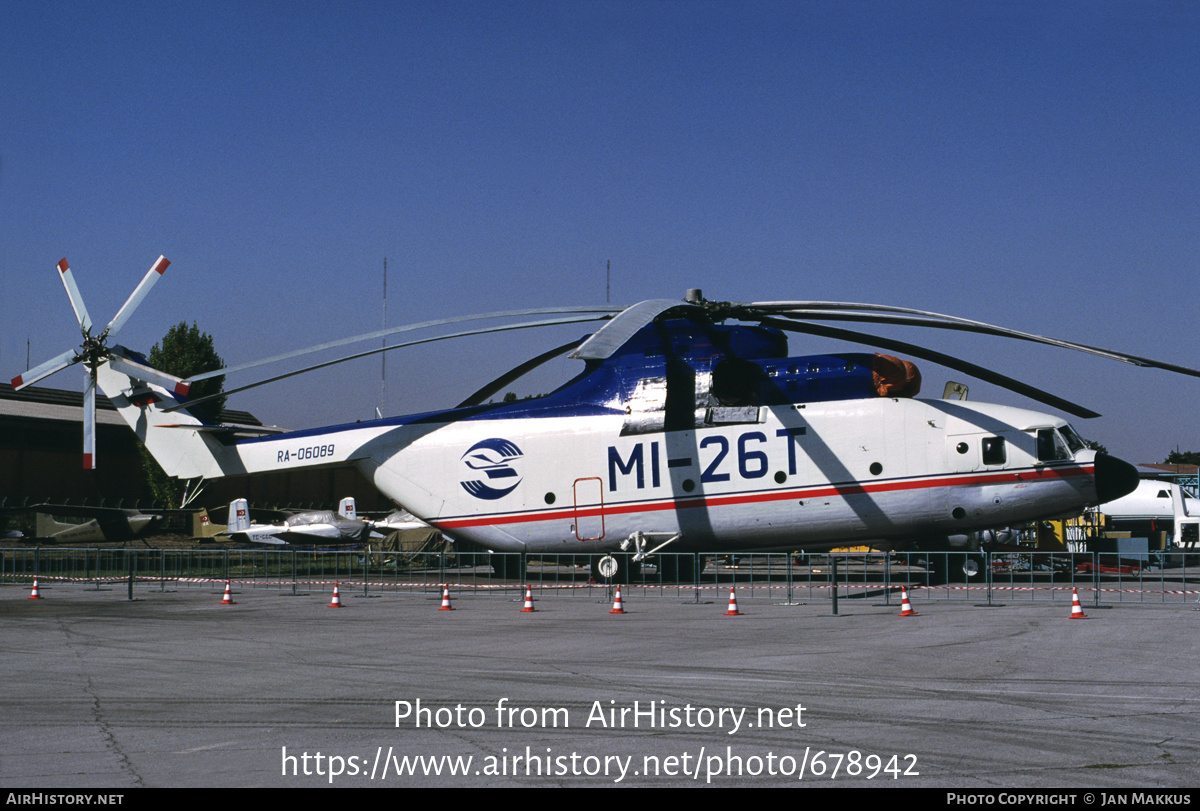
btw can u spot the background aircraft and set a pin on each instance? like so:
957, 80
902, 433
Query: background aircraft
65, 524
103, 524
318, 527
1156, 505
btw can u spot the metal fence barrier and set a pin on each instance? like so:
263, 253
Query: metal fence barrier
1156, 578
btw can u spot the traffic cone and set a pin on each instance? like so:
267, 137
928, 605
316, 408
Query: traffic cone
617, 609
446, 599
733, 609
906, 609
228, 595
33, 595
1076, 608
337, 599
528, 601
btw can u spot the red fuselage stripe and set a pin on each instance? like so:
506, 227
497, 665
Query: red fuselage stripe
999, 477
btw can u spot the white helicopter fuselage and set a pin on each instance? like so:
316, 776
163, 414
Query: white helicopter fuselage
801, 476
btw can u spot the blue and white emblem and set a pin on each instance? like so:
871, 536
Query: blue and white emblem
494, 458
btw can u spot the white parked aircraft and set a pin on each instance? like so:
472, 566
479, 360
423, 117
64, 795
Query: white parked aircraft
1155, 505
682, 433
315, 527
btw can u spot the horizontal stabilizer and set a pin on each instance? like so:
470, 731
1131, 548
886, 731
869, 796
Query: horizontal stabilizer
231, 430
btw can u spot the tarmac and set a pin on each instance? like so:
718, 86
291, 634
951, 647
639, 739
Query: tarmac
174, 689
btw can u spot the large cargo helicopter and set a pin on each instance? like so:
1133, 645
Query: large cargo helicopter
684, 432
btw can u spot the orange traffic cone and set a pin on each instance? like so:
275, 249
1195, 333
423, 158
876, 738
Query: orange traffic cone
228, 595
617, 609
33, 595
906, 609
733, 609
446, 599
337, 599
1076, 608
528, 601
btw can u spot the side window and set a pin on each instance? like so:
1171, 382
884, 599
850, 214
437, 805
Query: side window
993, 450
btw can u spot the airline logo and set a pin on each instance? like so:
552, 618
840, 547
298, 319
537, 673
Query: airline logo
496, 460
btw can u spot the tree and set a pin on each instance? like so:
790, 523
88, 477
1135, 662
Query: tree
184, 351
1183, 458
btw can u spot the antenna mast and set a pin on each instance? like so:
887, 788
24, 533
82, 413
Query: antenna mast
382, 344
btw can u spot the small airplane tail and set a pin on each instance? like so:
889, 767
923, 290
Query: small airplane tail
182, 444
348, 509
239, 516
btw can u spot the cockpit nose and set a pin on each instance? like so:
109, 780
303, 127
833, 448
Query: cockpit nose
1114, 478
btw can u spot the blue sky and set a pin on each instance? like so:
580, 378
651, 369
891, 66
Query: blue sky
1021, 163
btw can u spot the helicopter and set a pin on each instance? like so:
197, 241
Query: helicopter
689, 429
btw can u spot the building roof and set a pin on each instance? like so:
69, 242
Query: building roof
1163, 468
67, 406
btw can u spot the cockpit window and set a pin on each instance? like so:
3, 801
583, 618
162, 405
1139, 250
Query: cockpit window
1074, 441
1051, 447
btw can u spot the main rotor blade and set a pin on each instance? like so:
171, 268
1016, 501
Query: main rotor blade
950, 362
81, 313
602, 311
44, 370
377, 350
883, 314
135, 298
613, 335
515, 373
89, 422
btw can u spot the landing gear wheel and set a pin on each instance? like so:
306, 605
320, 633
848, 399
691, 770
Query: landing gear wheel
954, 567
972, 568
617, 568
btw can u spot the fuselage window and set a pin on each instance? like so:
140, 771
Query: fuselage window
993, 451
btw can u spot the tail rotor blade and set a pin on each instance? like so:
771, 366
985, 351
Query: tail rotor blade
81, 313
57, 364
139, 293
89, 423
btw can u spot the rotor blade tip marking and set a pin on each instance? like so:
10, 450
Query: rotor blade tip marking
16, 382
161, 265
182, 388
89, 462
62, 265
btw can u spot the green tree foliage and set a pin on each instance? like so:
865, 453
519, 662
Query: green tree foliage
184, 351
1183, 458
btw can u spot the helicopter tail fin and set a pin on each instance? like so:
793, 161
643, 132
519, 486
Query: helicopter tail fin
182, 444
